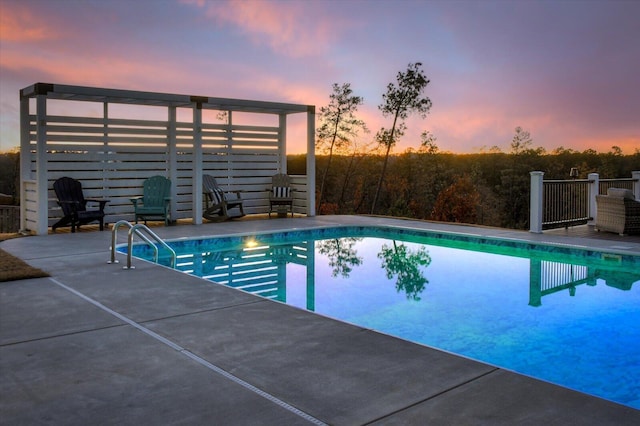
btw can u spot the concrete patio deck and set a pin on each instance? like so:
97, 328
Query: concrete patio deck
96, 344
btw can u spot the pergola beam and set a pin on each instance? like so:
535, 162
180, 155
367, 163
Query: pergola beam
83, 93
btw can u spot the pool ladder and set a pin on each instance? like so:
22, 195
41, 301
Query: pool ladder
138, 229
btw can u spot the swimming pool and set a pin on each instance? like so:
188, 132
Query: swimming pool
568, 316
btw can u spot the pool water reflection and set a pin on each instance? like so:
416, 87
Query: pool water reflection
566, 317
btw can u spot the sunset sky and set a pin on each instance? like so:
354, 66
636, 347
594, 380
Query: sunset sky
566, 71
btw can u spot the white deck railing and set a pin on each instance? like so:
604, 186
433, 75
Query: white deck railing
557, 203
565, 202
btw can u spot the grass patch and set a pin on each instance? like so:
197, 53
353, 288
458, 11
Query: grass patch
12, 268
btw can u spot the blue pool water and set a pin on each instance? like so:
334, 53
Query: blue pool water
567, 316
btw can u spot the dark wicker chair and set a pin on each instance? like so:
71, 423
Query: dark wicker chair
618, 212
74, 205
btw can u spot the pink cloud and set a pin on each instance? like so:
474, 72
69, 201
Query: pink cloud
21, 24
105, 71
294, 29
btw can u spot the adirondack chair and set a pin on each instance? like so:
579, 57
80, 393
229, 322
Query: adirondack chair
74, 205
217, 204
155, 201
281, 194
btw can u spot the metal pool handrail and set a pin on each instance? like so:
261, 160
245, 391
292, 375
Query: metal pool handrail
136, 229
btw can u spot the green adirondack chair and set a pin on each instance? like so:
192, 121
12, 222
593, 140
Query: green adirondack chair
155, 201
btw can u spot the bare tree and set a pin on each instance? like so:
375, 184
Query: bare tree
338, 126
400, 101
521, 141
428, 143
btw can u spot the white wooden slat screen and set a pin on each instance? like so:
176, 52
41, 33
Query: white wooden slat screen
112, 158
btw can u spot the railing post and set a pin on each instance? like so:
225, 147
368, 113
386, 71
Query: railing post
535, 209
635, 175
594, 189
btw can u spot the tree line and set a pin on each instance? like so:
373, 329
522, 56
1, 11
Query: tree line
490, 189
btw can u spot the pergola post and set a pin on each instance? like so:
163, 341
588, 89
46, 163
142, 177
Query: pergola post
105, 147
42, 191
25, 159
197, 163
311, 160
229, 132
282, 142
172, 160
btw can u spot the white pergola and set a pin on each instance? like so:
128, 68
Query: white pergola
112, 140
